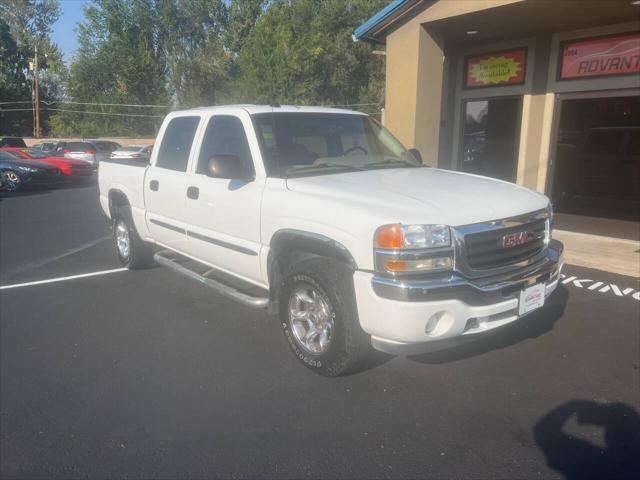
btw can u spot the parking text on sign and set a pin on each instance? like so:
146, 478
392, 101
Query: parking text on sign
600, 287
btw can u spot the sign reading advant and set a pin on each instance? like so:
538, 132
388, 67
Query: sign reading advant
496, 69
597, 57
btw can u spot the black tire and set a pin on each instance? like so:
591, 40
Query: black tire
333, 281
139, 253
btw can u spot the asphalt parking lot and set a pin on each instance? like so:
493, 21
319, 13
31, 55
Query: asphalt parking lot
146, 374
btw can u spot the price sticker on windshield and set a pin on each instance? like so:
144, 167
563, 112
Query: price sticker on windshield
531, 298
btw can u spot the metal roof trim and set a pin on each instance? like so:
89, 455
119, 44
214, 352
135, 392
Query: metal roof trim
383, 15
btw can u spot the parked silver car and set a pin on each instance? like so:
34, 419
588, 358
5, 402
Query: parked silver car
140, 153
91, 151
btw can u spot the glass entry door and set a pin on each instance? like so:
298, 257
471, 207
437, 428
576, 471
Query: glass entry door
491, 131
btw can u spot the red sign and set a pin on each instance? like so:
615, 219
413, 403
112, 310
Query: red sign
599, 57
496, 69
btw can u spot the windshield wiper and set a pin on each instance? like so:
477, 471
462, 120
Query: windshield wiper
391, 163
322, 166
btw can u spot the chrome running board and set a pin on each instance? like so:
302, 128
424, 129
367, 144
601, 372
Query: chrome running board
170, 259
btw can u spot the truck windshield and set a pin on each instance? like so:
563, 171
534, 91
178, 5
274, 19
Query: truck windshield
303, 144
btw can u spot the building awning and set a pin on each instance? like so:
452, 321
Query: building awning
371, 29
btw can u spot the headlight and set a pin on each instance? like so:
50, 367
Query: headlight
27, 169
412, 236
413, 248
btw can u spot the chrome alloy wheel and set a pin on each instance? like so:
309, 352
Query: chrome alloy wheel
311, 319
12, 180
122, 239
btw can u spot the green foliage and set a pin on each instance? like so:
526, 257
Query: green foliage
302, 52
206, 52
25, 24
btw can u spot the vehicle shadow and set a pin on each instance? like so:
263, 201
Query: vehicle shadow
577, 458
24, 192
532, 326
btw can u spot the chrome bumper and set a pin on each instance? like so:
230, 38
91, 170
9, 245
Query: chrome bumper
475, 291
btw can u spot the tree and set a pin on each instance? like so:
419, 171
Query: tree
119, 60
25, 25
192, 38
302, 52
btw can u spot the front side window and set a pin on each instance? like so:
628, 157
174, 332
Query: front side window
176, 143
225, 135
302, 144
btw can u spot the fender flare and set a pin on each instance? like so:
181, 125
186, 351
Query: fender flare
287, 241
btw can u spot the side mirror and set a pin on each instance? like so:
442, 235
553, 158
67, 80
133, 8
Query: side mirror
416, 153
227, 166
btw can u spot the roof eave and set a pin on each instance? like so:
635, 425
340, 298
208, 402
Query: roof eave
369, 30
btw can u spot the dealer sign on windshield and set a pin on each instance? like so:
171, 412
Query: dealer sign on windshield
515, 239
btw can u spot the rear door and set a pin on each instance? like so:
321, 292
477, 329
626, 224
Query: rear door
164, 189
223, 214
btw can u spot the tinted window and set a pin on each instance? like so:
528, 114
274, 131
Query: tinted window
7, 156
13, 142
176, 143
606, 142
78, 146
225, 136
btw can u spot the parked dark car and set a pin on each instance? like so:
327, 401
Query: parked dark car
12, 142
21, 173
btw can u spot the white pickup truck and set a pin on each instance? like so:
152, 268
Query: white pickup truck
324, 219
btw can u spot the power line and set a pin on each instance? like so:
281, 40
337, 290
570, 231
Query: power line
88, 103
108, 104
102, 113
81, 111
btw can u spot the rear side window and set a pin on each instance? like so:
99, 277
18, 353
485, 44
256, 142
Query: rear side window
14, 142
78, 146
176, 143
225, 135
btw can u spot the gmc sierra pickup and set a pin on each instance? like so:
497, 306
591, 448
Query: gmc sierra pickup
323, 218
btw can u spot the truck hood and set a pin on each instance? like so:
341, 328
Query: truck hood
423, 195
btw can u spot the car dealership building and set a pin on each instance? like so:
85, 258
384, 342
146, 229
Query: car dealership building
542, 93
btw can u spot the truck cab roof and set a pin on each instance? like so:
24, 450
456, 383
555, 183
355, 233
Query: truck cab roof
256, 109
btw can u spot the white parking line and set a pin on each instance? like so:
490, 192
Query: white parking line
62, 279
30, 266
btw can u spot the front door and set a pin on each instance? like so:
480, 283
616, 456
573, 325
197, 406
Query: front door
490, 138
164, 189
223, 214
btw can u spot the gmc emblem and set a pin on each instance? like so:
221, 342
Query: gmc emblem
515, 239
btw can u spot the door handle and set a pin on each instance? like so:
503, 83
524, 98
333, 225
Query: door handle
154, 185
193, 193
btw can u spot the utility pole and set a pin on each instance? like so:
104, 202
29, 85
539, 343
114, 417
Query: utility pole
36, 96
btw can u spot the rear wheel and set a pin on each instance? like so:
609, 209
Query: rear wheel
319, 318
12, 181
132, 251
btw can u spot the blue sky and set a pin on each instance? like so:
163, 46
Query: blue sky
64, 29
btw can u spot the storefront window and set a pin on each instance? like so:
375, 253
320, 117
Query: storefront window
490, 138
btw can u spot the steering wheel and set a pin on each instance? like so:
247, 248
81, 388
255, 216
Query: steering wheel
353, 149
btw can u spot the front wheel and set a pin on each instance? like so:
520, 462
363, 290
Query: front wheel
12, 181
319, 319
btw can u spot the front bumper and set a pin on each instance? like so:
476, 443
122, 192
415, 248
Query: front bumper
396, 313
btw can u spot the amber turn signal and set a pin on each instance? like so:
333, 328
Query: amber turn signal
390, 236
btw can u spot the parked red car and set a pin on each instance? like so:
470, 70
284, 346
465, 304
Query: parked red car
72, 170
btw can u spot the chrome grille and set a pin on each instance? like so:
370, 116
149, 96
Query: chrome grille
481, 250
487, 250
